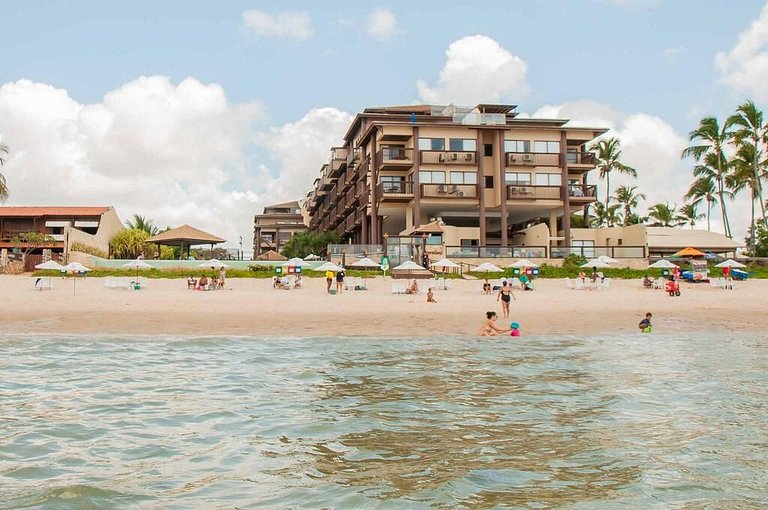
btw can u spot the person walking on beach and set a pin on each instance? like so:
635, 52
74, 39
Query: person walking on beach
506, 295
328, 281
339, 281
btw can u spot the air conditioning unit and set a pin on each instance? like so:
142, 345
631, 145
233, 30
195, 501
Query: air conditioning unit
442, 189
441, 158
454, 156
528, 158
460, 193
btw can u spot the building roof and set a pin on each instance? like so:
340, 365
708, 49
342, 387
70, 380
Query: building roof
185, 234
271, 255
679, 238
38, 211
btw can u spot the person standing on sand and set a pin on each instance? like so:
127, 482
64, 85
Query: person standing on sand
222, 277
339, 281
328, 281
506, 295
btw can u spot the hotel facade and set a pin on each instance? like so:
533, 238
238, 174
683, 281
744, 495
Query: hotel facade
472, 179
275, 225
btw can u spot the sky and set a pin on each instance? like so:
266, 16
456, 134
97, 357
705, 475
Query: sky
202, 113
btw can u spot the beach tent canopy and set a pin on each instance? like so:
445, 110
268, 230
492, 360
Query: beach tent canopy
271, 255
487, 267
689, 252
523, 263
365, 262
433, 227
727, 263
662, 264
445, 263
185, 236
329, 266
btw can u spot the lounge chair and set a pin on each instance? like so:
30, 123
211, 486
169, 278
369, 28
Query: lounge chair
43, 283
715, 283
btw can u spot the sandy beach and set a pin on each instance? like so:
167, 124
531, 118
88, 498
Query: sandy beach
253, 307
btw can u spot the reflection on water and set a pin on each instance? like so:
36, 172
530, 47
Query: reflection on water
640, 421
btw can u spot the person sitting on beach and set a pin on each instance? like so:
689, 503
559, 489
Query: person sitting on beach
514, 329
645, 324
430, 296
526, 283
413, 289
647, 282
202, 283
298, 282
191, 282
214, 284
486, 287
583, 277
490, 328
593, 276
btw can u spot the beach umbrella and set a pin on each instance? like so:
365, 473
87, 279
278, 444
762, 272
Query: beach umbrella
75, 267
50, 266
329, 266
365, 263
214, 264
445, 264
731, 263
662, 264
689, 252
408, 266
523, 263
296, 261
487, 267
138, 264
312, 256
595, 263
607, 259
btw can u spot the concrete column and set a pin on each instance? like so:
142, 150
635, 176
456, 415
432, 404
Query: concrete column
481, 185
364, 229
416, 185
375, 233
553, 223
564, 189
503, 189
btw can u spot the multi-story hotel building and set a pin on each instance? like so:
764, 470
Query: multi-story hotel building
483, 174
275, 226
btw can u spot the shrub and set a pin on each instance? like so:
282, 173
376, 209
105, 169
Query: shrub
90, 250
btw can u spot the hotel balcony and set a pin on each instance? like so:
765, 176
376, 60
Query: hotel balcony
532, 159
449, 191
338, 161
582, 193
464, 158
363, 167
395, 191
326, 183
580, 159
350, 199
395, 158
532, 192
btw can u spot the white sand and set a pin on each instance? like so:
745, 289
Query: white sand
252, 307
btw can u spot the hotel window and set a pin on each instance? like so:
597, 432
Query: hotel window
435, 239
462, 144
584, 248
546, 147
517, 178
463, 177
393, 184
431, 144
488, 149
572, 156
432, 177
517, 146
549, 179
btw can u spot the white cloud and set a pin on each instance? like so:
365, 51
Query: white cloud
381, 24
477, 69
745, 67
285, 25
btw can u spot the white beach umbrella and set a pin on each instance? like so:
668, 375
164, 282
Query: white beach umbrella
312, 256
365, 263
662, 264
487, 267
50, 266
523, 263
607, 259
296, 261
408, 265
596, 263
329, 266
214, 264
445, 263
75, 267
727, 263
138, 264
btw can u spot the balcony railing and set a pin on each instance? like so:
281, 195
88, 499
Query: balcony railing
580, 158
532, 192
395, 190
467, 158
449, 191
395, 157
532, 159
582, 192
528, 252
590, 252
363, 168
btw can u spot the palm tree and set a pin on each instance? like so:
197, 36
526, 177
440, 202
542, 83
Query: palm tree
608, 153
703, 189
709, 140
142, 223
627, 197
687, 213
751, 128
605, 216
743, 177
3, 186
664, 215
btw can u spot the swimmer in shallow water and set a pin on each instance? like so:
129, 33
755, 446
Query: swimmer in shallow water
645, 324
490, 328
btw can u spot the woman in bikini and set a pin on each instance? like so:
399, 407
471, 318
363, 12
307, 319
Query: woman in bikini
506, 295
490, 328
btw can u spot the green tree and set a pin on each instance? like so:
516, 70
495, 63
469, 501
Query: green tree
663, 215
687, 213
302, 244
3, 185
608, 155
703, 189
141, 223
628, 199
30, 241
708, 146
129, 243
742, 177
749, 127
757, 242
605, 216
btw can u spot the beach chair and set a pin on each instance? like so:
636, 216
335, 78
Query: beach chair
659, 283
715, 283
43, 283
568, 284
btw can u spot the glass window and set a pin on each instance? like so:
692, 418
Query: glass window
463, 177
546, 147
462, 144
432, 177
518, 178
488, 149
435, 239
548, 179
431, 144
517, 146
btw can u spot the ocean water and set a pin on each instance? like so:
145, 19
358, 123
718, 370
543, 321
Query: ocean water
639, 421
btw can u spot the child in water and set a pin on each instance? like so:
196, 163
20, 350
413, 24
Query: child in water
645, 324
515, 329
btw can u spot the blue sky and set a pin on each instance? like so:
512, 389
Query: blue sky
645, 68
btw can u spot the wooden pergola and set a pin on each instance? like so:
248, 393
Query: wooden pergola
182, 236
